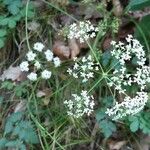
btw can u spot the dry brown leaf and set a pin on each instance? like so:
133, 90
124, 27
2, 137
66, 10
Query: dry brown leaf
12, 73
117, 8
40, 94
74, 47
113, 145
21, 106
33, 26
44, 93
61, 50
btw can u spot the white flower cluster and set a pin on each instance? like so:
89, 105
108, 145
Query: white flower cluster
129, 106
80, 105
33, 62
125, 53
122, 78
82, 31
83, 69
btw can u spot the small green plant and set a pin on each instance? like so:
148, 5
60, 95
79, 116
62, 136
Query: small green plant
140, 121
18, 132
105, 124
15, 12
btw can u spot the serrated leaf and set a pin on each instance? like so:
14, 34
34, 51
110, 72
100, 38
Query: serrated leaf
3, 32
30, 13
13, 143
11, 23
7, 85
8, 127
4, 21
132, 118
31, 137
134, 126
7, 2
17, 130
3, 141
22, 147
107, 127
15, 117
27, 133
100, 115
13, 6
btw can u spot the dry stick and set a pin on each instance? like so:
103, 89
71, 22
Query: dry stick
93, 134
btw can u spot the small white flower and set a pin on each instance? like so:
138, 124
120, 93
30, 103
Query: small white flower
49, 55
82, 31
37, 65
69, 71
46, 74
38, 46
30, 56
32, 76
80, 105
57, 61
24, 66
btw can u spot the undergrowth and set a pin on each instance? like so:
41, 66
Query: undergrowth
72, 105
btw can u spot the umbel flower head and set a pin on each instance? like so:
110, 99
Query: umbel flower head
129, 106
82, 31
122, 78
36, 66
80, 105
83, 69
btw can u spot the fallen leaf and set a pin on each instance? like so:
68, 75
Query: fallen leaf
33, 26
114, 145
117, 8
74, 47
12, 73
44, 93
21, 106
61, 50
40, 94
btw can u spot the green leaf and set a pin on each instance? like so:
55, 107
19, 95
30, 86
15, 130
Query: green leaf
7, 2
1, 99
3, 141
107, 127
27, 132
7, 85
22, 147
30, 13
11, 23
15, 117
100, 115
13, 143
142, 29
13, 6
145, 122
8, 127
19, 90
4, 21
138, 4
134, 126
3, 32
2, 43
106, 58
